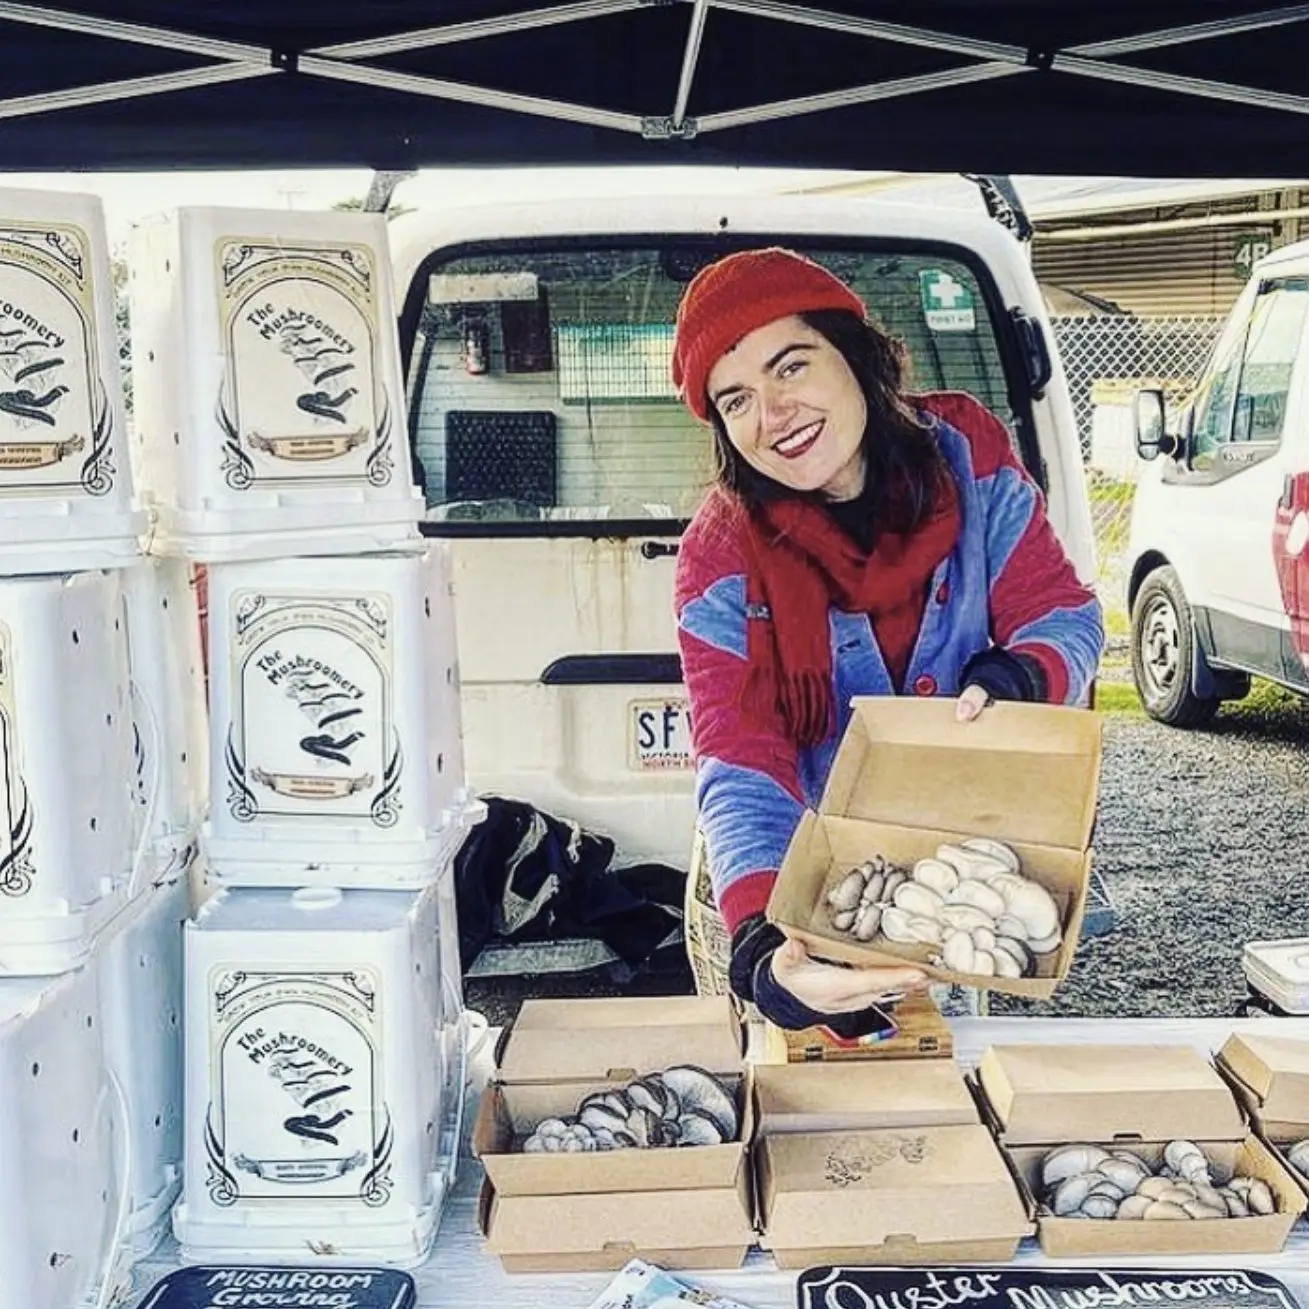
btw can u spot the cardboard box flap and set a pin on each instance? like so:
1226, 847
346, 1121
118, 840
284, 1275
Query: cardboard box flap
1276, 1071
585, 1224
1053, 1094
907, 756
867, 1188
893, 1093
564, 1040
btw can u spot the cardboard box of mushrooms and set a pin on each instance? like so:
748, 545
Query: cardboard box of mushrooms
614, 1129
1270, 1076
1135, 1149
964, 847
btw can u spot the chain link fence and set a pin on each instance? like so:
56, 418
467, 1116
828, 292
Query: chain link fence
1106, 358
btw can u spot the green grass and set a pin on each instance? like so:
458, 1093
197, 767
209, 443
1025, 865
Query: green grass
1265, 699
1117, 698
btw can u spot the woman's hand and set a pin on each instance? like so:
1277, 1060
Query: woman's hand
972, 700
830, 989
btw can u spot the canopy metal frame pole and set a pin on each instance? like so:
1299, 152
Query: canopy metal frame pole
346, 62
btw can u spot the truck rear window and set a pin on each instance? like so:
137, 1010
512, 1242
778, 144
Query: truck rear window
539, 386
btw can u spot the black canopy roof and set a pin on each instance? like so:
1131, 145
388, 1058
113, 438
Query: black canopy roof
1144, 87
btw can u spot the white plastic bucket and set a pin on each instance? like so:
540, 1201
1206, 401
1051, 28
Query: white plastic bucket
66, 500
69, 831
335, 731
62, 1147
169, 711
313, 1086
269, 399
139, 960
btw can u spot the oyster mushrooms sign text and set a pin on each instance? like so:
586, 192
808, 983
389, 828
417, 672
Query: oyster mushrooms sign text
56, 421
296, 1099
967, 1288
302, 397
311, 730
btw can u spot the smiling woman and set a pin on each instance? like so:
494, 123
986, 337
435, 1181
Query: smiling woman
862, 540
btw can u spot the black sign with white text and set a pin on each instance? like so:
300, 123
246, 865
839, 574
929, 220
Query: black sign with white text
941, 1287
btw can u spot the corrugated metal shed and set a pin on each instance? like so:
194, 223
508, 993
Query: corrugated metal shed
1165, 247
1168, 266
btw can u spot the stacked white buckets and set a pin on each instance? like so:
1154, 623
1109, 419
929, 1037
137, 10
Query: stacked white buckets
102, 785
238, 1005
324, 1027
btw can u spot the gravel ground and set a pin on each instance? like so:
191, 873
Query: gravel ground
1203, 839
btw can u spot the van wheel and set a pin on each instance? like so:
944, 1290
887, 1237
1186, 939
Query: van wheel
1163, 653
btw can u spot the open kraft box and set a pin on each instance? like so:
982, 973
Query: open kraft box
1137, 1098
689, 1207
879, 1163
908, 777
1269, 1075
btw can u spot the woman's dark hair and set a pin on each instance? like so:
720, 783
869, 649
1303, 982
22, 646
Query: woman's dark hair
902, 458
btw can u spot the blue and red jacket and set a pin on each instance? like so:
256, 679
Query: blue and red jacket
1007, 583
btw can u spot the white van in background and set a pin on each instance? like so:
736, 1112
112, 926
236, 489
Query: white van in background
1218, 574
562, 468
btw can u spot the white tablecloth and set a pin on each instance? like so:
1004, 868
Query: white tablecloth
458, 1274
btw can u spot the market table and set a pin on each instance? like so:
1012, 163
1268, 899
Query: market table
458, 1273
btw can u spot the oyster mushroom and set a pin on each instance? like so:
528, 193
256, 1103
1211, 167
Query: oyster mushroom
1034, 907
894, 881
1134, 1207
1005, 964
601, 1117
980, 896
937, 875
642, 1095
699, 1129
957, 952
1099, 1206
983, 964
963, 917
1045, 944
983, 938
1069, 1160
1153, 1187
970, 864
845, 920
1071, 1194
1187, 1160
844, 896
869, 921
1008, 925
895, 926
700, 1092
915, 898
996, 850
1162, 1209
872, 893
1298, 1155
1260, 1198
1127, 1176
1018, 951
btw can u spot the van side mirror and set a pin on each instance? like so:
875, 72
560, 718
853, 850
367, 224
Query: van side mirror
1148, 415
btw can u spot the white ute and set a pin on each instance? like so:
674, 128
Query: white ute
1219, 577
562, 468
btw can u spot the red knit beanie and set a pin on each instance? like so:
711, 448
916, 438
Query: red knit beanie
739, 293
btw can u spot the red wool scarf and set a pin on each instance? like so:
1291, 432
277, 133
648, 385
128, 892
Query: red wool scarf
802, 563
